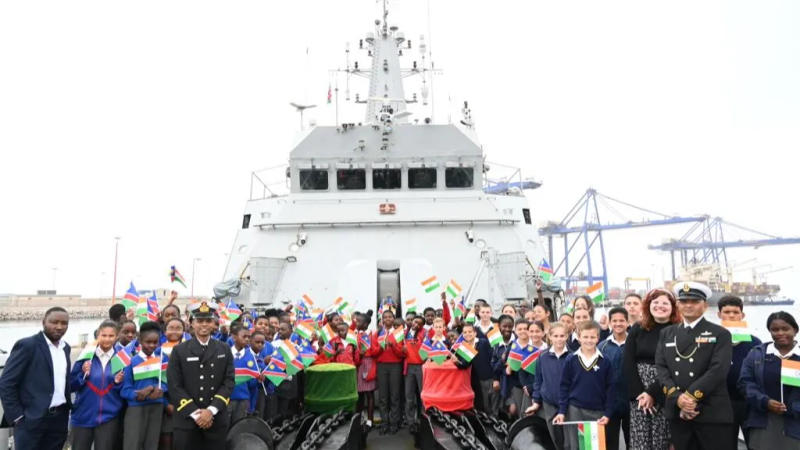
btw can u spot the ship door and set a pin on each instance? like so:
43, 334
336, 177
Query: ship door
388, 285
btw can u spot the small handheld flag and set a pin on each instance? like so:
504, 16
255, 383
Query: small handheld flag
430, 284
466, 351
515, 357
398, 335
276, 370
149, 368
591, 436
596, 292
790, 372
352, 338
304, 328
453, 289
494, 337
411, 305
88, 351
461, 309
120, 360
738, 331
131, 297
176, 277
530, 362
545, 271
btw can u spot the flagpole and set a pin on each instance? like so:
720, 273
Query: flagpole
160, 364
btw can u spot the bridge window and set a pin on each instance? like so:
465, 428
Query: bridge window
313, 180
386, 178
348, 179
422, 178
458, 177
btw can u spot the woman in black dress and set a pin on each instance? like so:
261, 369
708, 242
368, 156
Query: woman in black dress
649, 428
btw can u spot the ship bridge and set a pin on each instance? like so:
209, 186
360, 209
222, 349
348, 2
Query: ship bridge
368, 157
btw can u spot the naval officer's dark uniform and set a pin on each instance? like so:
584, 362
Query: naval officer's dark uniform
695, 360
200, 377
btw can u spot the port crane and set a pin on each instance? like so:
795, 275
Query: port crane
581, 232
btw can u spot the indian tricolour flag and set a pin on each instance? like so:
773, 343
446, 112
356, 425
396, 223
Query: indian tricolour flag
790, 372
398, 334
411, 305
88, 351
304, 329
430, 284
596, 292
340, 304
352, 338
453, 288
494, 337
326, 333
466, 351
287, 349
149, 368
591, 436
738, 330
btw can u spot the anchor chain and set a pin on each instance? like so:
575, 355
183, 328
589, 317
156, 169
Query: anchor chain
499, 427
464, 434
322, 431
286, 427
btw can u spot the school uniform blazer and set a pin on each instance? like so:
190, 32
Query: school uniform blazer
26, 386
696, 361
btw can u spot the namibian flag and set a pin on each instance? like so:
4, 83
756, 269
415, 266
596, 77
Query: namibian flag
131, 298
176, 277
466, 351
494, 337
591, 436
398, 335
453, 289
149, 368
430, 284
328, 350
790, 372
365, 340
307, 354
245, 368
152, 308
461, 309
232, 310
164, 365
438, 352
425, 349
596, 292
382, 338
276, 370
327, 333
304, 328
515, 356
295, 366
530, 362
545, 271
120, 360
738, 330
411, 305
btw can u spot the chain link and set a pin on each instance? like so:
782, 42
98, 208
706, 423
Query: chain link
464, 434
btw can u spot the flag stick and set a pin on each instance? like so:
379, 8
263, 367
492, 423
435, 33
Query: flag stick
781, 393
161, 363
576, 422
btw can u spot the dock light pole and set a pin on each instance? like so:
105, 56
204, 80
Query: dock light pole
116, 253
194, 263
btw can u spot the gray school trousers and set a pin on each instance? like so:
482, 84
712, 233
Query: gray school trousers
571, 431
413, 391
142, 427
390, 388
104, 436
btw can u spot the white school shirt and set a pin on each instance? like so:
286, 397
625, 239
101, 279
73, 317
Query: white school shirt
59, 372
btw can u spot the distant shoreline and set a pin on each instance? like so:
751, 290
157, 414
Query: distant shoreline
8, 316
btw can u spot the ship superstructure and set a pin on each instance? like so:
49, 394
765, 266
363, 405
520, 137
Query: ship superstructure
375, 208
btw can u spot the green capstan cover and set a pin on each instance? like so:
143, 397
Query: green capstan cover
331, 388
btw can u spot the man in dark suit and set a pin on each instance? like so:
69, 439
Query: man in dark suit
200, 382
34, 388
692, 363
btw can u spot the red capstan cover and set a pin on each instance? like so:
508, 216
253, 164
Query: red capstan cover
446, 387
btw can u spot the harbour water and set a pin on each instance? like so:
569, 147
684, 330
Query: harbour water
756, 317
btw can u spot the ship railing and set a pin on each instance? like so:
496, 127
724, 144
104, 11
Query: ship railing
505, 179
269, 182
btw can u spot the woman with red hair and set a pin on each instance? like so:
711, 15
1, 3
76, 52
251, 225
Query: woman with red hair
649, 428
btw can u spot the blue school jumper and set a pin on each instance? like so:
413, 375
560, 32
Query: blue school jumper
589, 388
547, 381
614, 354
499, 356
97, 397
266, 351
248, 390
130, 386
760, 381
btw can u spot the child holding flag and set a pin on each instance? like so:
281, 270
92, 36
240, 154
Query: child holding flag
413, 371
517, 379
587, 385
174, 334
143, 389
505, 323
366, 372
390, 371
98, 404
547, 382
245, 392
730, 310
771, 381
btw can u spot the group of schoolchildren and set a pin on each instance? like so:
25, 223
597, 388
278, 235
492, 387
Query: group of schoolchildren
579, 371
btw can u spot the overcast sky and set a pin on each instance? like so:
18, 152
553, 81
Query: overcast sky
144, 119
